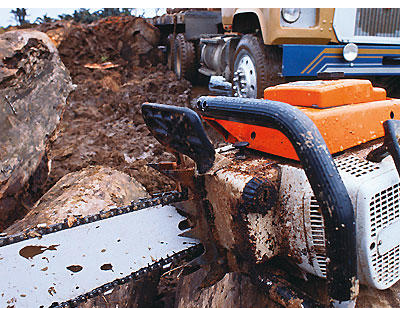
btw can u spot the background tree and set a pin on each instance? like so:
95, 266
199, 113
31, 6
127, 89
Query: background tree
20, 16
44, 19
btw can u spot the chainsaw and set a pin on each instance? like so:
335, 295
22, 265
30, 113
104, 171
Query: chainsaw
310, 181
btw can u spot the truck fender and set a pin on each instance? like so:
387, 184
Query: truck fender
259, 13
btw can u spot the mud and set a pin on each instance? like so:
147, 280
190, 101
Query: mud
29, 252
102, 124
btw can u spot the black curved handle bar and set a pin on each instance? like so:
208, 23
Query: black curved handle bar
321, 172
180, 130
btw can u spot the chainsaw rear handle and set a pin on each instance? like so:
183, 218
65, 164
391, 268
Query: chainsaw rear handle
317, 162
391, 140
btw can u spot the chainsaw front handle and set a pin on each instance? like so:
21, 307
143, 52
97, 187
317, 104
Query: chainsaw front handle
180, 130
327, 185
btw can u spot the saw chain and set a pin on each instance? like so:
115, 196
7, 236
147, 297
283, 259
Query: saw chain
161, 199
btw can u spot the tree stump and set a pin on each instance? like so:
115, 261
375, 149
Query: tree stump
236, 290
34, 86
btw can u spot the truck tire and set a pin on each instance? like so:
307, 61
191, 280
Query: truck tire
389, 83
255, 67
184, 58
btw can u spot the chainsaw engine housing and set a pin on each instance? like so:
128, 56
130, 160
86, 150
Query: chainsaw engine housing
284, 195
374, 191
294, 226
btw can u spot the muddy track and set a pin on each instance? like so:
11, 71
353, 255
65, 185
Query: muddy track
102, 124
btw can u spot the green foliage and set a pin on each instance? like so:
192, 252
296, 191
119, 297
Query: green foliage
85, 16
82, 15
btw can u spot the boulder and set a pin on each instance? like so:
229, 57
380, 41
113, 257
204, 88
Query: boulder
34, 86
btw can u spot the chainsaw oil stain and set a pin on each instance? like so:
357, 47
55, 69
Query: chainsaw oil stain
29, 252
51, 290
106, 266
75, 268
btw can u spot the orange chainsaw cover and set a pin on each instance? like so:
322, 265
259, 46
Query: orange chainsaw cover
342, 127
323, 94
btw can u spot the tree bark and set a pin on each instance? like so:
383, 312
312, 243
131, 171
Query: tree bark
34, 86
233, 291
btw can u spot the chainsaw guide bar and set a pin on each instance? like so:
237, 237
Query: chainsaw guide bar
63, 266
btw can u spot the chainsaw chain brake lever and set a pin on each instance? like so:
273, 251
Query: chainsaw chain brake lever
390, 144
180, 130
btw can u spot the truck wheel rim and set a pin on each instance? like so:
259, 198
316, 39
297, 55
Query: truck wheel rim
245, 78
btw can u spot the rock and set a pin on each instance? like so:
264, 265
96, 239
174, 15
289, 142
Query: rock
87, 192
34, 86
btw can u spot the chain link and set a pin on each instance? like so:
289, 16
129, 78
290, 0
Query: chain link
157, 199
186, 254
38, 231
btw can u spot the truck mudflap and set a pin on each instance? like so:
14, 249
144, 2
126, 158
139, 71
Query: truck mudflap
317, 60
322, 174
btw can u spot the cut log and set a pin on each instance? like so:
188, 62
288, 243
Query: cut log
34, 86
85, 192
236, 290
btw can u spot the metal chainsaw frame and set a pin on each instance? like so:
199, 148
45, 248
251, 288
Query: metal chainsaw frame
321, 172
318, 165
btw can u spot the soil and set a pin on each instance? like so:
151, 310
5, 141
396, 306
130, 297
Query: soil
115, 69
102, 124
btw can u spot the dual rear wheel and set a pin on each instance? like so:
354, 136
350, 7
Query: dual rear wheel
255, 65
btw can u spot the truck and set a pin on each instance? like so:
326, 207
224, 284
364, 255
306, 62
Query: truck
254, 48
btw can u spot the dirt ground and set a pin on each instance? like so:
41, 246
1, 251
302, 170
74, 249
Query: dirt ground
102, 124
